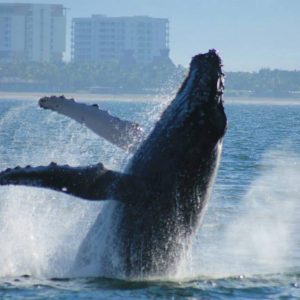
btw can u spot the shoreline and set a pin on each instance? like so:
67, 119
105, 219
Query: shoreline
88, 97
83, 97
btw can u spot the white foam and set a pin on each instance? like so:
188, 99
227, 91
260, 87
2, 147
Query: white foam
262, 236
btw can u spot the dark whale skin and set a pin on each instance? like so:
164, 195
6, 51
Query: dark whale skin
178, 161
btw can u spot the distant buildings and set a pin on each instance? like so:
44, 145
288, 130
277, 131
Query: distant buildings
138, 39
32, 32
37, 33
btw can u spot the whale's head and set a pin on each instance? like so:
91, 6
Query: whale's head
195, 122
200, 97
191, 128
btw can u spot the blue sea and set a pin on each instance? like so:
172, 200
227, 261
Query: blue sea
248, 246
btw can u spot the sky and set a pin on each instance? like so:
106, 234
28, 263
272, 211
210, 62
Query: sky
249, 34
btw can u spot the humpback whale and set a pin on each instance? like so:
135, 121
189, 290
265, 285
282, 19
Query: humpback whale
161, 196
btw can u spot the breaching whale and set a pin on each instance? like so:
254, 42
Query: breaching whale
163, 192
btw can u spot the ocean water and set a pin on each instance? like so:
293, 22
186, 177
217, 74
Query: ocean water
248, 246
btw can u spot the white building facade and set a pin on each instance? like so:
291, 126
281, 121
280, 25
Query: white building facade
32, 32
100, 38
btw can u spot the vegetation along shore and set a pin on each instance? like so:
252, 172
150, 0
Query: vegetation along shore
161, 77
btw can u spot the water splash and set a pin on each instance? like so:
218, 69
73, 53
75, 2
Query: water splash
262, 236
41, 231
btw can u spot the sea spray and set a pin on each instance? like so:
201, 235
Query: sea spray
41, 230
97, 249
262, 236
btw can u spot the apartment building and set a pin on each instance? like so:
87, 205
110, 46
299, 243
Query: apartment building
32, 32
101, 38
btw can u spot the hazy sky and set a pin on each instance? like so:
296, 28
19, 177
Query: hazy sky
250, 34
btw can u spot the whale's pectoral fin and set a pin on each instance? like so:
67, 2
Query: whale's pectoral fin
122, 133
91, 183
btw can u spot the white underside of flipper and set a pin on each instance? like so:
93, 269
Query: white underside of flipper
124, 134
